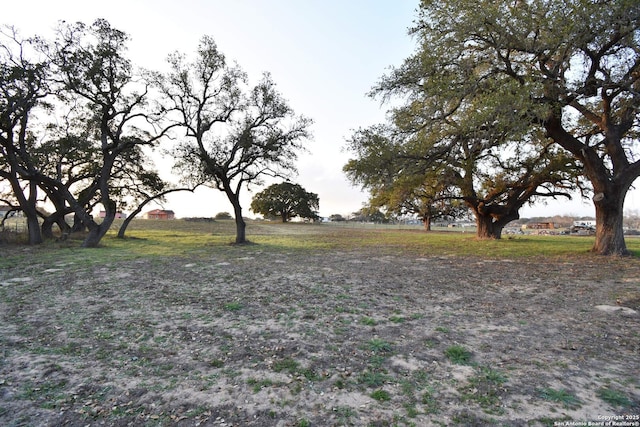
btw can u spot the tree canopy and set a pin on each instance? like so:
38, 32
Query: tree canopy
78, 120
578, 82
236, 134
476, 155
493, 88
286, 201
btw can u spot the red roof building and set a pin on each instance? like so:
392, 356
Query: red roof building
159, 214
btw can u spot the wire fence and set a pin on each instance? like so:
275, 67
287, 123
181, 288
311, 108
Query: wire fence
14, 225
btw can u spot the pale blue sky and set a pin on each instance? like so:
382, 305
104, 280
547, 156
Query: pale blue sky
324, 56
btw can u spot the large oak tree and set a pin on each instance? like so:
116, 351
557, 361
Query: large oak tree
24, 86
286, 200
484, 166
570, 67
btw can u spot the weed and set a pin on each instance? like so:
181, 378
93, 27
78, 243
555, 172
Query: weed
381, 395
216, 363
344, 414
491, 375
258, 385
565, 397
289, 365
303, 422
311, 374
368, 321
379, 346
458, 354
412, 412
613, 397
484, 389
397, 319
372, 379
442, 329
233, 306
376, 361
430, 402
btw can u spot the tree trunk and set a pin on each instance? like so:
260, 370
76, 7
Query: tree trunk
123, 228
29, 210
33, 227
78, 225
47, 227
426, 221
609, 224
610, 183
491, 220
98, 231
241, 226
487, 228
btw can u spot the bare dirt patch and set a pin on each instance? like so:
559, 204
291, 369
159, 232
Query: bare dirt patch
249, 337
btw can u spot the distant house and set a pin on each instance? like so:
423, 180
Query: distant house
539, 226
159, 214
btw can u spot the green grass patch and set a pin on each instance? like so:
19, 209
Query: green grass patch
233, 306
303, 422
458, 355
216, 363
381, 395
568, 399
378, 345
373, 378
258, 385
485, 389
614, 397
430, 402
286, 365
397, 319
368, 321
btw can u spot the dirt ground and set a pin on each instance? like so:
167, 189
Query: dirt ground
245, 336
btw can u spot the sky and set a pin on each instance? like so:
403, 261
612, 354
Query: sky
324, 56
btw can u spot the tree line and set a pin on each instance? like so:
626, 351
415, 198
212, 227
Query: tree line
78, 121
506, 103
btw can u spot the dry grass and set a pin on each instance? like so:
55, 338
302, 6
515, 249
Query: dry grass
315, 325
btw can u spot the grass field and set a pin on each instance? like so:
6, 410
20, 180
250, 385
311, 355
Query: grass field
180, 237
316, 325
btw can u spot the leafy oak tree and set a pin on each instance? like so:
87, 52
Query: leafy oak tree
570, 67
427, 197
286, 201
479, 164
393, 186
235, 134
94, 79
24, 86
